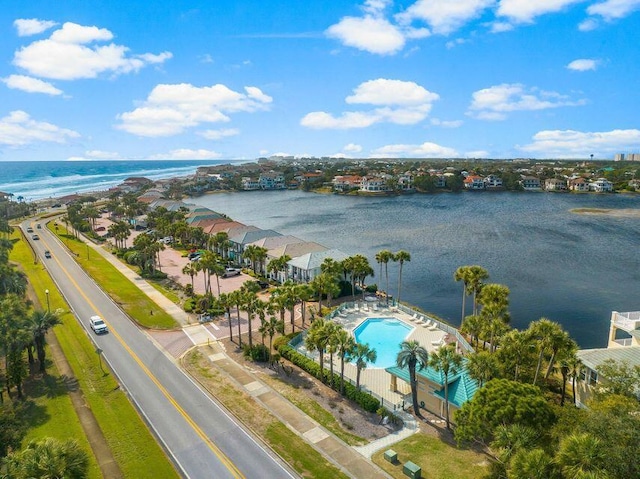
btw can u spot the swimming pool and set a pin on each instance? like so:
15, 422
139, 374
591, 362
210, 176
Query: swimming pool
384, 335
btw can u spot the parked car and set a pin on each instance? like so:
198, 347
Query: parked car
194, 254
262, 284
47, 254
101, 228
228, 272
98, 325
35, 237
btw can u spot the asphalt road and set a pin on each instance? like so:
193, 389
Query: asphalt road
200, 437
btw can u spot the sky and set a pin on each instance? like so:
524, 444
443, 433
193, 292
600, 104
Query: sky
201, 79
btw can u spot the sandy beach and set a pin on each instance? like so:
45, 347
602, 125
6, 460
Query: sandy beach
619, 213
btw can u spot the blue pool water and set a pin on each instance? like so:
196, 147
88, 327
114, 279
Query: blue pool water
384, 335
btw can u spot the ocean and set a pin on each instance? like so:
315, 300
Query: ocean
35, 180
571, 268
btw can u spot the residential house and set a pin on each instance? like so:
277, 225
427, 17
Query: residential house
374, 184
405, 182
439, 181
474, 182
578, 184
249, 184
272, 181
555, 184
601, 185
306, 267
134, 184
294, 250
346, 183
492, 182
530, 183
623, 346
240, 241
5, 196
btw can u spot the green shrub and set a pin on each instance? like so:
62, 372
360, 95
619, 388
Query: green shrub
363, 399
259, 352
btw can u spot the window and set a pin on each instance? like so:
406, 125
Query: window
593, 377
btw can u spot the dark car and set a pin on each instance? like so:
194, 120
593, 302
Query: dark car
47, 254
35, 237
262, 284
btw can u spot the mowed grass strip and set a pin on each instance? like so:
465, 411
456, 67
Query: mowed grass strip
127, 295
438, 459
132, 444
295, 451
314, 410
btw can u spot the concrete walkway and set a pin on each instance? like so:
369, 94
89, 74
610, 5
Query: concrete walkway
335, 450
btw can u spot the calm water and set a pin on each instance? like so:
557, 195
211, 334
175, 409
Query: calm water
35, 180
574, 269
383, 335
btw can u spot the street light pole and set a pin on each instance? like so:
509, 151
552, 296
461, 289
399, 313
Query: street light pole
46, 291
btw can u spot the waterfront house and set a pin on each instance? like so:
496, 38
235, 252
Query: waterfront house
405, 182
493, 182
431, 388
374, 184
240, 241
5, 196
249, 184
623, 346
601, 185
555, 184
530, 183
293, 251
306, 267
346, 183
439, 181
578, 184
474, 182
272, 181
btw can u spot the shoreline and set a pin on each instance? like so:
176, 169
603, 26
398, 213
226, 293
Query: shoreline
616, 213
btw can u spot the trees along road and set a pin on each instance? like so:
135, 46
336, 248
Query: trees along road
200, 437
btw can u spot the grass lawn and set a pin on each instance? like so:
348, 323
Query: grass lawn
135, 449
129, 297
437, 459
301, 456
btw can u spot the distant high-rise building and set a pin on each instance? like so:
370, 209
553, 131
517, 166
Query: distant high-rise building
619, 157
633, 157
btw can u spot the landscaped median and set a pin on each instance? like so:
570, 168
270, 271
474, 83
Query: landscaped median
134, 448
126, 295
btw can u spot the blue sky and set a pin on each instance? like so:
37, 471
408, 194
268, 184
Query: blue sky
377, 78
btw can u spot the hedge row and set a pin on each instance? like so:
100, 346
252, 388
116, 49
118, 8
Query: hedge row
365, 400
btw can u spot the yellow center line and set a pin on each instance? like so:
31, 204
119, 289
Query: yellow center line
220, 455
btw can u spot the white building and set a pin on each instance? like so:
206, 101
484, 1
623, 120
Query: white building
601, 185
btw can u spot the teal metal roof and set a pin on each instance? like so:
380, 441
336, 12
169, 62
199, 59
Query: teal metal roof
593, 358
461, 386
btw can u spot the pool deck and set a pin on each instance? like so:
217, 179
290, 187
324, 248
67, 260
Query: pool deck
374, 379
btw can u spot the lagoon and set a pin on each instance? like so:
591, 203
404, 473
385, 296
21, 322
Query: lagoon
571, 268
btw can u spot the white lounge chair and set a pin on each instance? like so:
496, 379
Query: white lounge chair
375, 307
433, 327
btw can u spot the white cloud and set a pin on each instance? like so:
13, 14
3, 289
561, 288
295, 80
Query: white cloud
582, 65
495, 102
321, 120
67, 55
578, 144
425, 150
447, 123
588, 25
32, 26
399, 102
30, 85
18, 129
171, 109
614, 9
187, 154
525, 11
219, 134
500, 27
102, 155
444, 16
454, 43
373, 35
352, 148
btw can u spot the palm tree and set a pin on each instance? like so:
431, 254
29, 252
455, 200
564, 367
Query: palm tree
575, 365
477, 274
482, 366
362, 354
473, 326
237, 299
40, 323
580, 454
462, 274
226, 301
49, 458
317, 339
304, 293
383, 257
447, 361
332, 331
401, 257
270, 327
546, 333
412, 356
345, 343
515, 352
192, 270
